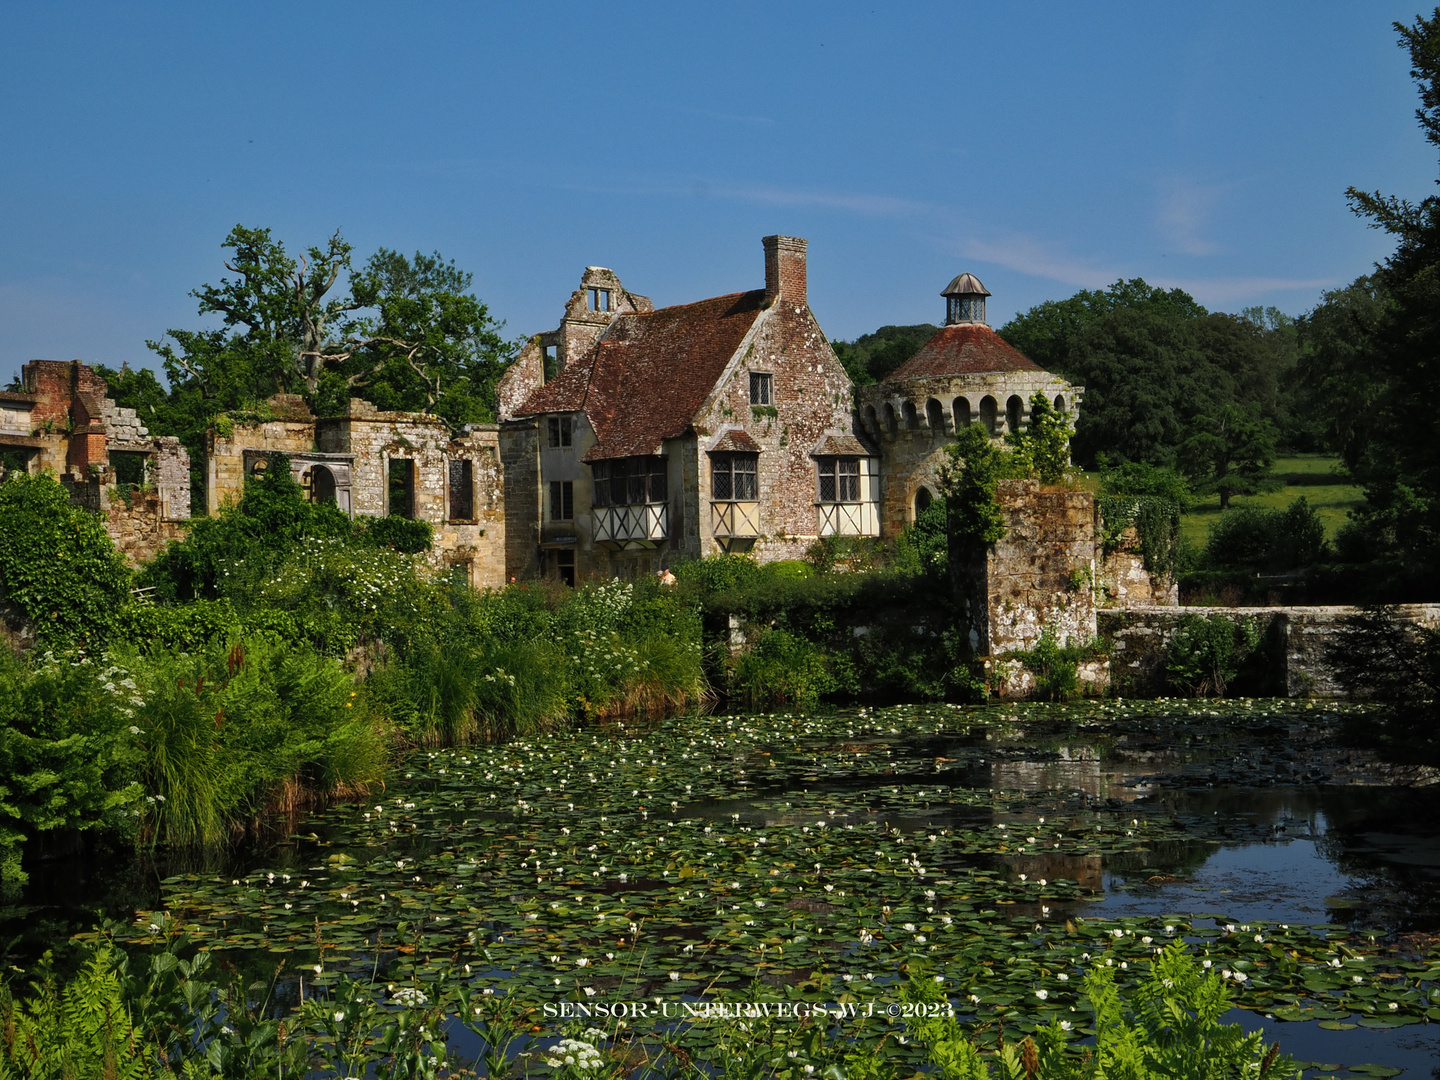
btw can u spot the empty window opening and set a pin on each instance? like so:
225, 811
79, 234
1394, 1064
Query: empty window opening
911, 421
989, 410
839, 479
1014, 411
551, 361
732, 477
14, 460
890, 422
761, 388
629, 481
962, 413
130, 468
560, 431
322, 485
562, 500
1059, 402
872, 422
401, 488
565, 567
923, 499
599, 299
462, 489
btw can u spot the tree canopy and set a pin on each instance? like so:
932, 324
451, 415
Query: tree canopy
404, 333
1153, 361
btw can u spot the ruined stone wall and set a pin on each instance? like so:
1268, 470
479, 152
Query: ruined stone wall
55, 383
811, 394
225, 454
1123, 582
139, 529
1293, 645
476, 546
520, 464
524, 376
1039, 574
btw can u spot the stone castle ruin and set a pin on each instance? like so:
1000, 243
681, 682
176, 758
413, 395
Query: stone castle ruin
62, 421
632, 437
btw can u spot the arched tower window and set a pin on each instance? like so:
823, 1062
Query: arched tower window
911, 421
923, 499
935, 416
1014, 411
989, 410
962, 413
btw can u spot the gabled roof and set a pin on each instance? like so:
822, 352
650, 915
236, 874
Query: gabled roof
650, 372
736, 440
963, 349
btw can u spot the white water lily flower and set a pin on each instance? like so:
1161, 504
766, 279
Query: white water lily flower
1042, 994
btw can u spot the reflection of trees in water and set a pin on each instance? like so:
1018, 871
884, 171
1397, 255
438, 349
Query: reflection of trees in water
1388, 839
1168, 858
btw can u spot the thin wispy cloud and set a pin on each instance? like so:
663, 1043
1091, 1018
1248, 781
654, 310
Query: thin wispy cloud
1026, 255
1182, 216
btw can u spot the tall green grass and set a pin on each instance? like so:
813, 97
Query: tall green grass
244, 727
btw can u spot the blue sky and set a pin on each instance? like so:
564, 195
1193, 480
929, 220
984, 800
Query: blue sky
1044, 146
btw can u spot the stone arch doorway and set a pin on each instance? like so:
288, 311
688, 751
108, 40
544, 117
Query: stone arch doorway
322, 485
923, 499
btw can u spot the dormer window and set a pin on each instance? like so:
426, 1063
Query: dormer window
599, 299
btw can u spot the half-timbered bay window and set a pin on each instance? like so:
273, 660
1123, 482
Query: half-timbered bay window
847, 488
629, 501
734, 509
732, 477
629, 481
839, 479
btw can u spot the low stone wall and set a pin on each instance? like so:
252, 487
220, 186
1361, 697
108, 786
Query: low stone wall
1293, 644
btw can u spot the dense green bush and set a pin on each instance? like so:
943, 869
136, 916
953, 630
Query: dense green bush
1206, 652
781, 669
1256, 538
70, 752
57, 565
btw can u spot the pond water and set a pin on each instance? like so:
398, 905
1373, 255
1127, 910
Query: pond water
1002, 851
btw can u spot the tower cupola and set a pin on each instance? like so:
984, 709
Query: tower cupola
965, 300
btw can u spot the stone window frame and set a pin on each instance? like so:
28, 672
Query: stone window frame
408, 484
561, 432
562, 500
599, 300
837, 476
734, 476
468, 481
762, 388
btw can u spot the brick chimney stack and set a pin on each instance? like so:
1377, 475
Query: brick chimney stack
785, 268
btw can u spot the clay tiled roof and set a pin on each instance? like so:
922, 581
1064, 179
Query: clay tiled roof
843, 446
649, 374
963, 349
736, 440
